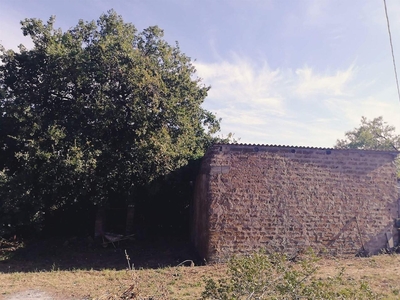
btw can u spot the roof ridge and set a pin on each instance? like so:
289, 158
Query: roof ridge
302, 147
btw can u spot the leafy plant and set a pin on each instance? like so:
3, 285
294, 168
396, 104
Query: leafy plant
278, 276
373, 134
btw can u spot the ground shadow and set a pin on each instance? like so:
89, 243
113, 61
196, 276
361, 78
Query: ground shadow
88, 254
161, 223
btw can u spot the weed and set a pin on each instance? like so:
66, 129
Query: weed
277, 276
133, 292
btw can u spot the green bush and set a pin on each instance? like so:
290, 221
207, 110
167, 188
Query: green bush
278, 276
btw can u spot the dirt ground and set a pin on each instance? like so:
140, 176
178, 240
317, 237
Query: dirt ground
29, 294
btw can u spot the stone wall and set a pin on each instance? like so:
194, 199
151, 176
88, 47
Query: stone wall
287, 198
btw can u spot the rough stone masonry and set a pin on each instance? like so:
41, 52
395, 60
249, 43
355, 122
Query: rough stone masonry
282, 198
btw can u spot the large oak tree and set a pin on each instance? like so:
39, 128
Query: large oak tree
94, 112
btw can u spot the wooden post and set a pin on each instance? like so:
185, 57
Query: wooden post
130, 213
99, 223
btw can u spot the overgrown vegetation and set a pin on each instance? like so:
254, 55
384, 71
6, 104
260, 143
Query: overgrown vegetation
278, 276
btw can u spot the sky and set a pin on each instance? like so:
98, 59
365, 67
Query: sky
282, 72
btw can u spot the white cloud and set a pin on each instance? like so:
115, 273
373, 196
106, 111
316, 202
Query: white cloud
241, 84
370, 106
310, 83
267, 106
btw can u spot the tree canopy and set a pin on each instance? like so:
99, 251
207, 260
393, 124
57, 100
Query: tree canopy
93, 112
373, 134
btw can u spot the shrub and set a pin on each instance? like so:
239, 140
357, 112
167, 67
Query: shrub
278, 276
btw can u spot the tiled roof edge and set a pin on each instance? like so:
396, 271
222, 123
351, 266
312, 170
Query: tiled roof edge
303, 147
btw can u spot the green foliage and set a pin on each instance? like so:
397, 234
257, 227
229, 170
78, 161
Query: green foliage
371, 135
276, 276
90, 114
375, 134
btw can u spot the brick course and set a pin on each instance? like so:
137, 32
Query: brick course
287, 198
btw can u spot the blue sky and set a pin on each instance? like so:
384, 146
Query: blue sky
289, 72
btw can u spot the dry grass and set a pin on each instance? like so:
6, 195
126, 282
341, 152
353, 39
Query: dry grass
381, 272
175, 282
73, 272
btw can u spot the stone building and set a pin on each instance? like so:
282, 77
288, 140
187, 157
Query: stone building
284, 198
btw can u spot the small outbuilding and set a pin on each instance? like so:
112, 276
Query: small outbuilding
284, 198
